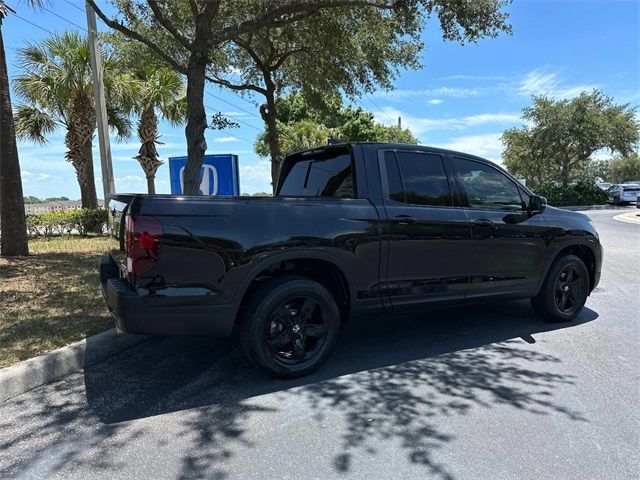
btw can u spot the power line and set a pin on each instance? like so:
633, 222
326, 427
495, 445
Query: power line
65, 19
34, 24
233, 105
207, 107
235, 119
375, 105
235, 93
74, 5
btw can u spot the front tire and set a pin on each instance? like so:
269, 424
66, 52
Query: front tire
289, 326
564, 291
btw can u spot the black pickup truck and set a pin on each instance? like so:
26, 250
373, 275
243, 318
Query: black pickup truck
354, 230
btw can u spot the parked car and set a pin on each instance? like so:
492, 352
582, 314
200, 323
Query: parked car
638, 202
604, 185
353, 231
623, 193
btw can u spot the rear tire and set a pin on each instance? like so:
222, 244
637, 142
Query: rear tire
564, 291
289, 326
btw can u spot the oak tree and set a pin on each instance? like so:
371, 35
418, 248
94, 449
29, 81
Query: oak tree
186, 34
559, 138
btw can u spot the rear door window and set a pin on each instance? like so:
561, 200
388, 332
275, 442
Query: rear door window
327, 173
417, 178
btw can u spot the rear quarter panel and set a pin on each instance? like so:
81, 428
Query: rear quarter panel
212, 247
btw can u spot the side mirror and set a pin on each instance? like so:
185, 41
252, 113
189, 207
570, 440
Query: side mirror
537, 204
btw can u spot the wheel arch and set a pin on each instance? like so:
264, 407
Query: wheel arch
319, 266
585, 253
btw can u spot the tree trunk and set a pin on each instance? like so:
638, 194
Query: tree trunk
12, 217
564, 173
269, 115
148, 155
151, 185
79, 142
86, 179
196, 123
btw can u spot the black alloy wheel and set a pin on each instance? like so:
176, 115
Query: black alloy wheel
297, 331
564, 290
289, 326
568, 290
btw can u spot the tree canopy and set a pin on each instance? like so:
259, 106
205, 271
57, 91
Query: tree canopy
188, 34
623, 169
560, 137
55, 85
304, 126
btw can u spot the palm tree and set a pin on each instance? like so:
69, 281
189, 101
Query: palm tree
162, 91
12, 218
57, 89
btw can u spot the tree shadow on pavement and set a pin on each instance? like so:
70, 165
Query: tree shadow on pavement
390, 379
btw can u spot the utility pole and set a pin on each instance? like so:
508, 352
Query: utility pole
399, 123
108, 184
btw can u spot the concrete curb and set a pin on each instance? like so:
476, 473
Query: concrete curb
52, 366
629, 217
592, 207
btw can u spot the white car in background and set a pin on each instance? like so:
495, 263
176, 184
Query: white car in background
623, 193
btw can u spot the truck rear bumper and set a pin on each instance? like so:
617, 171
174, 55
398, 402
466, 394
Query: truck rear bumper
133, 315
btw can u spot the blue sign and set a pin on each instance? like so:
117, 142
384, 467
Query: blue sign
219, 175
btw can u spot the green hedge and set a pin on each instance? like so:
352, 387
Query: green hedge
84, 222
580, 193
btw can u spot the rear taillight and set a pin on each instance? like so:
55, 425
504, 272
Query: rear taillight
621, 190
142, 244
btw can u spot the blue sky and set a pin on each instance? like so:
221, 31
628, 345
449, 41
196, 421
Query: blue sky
463, 98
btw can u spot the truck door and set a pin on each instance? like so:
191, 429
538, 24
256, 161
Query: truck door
429, 238
508, 251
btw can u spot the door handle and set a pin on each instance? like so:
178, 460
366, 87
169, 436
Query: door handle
404, 219
483, 222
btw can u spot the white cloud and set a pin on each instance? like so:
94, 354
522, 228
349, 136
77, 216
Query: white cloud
435, 101
486, 145
131, 184
130, 178
539, 82
34, 177
536, 82
255, 177
453, 92
483, 118
242, 115
226, 139
420, 125
481, 78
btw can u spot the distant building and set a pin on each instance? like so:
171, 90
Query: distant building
56, 206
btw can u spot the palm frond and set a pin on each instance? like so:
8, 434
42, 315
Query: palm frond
119, 122
34, 124
175, 113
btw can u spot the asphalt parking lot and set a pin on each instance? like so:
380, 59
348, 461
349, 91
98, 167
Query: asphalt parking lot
483, 392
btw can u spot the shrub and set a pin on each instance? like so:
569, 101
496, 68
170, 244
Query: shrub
34, 222
90, 220
581, 193
84, 221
